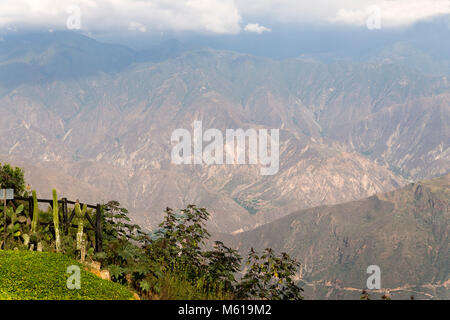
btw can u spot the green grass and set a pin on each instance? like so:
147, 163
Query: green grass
26, 275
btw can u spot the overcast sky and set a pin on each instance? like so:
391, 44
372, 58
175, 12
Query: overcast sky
211, 16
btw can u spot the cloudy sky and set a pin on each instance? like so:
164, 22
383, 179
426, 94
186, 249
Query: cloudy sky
212, 16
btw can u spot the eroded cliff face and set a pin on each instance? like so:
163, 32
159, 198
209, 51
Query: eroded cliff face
404, 232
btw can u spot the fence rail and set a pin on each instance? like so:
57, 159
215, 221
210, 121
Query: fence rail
67, 219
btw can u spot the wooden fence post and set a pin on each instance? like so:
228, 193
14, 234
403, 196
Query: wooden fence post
31, 207
64, 212
4, 223
98, 229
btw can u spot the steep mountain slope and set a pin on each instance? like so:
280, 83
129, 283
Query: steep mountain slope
44, 58
404, 232
343, 128
411, 138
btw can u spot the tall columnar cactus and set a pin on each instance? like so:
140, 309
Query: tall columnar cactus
35, 213
56, 220
80, 215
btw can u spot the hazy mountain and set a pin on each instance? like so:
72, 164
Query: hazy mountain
43, 58
347, 130
404, 232
37, 59
406, 54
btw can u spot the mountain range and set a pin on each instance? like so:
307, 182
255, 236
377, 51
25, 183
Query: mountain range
101, 116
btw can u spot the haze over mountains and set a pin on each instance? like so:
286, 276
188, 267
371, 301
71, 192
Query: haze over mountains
103, 114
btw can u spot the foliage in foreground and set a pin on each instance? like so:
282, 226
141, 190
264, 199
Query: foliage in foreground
12, 178
173, 262
36, 229
176, 261
28, 275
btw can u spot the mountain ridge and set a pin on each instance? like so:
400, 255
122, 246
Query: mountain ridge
336, 127
405, 232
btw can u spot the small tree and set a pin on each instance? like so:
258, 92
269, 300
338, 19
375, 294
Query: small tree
12, 178
270, 277
223, 263
122, 255
180, 239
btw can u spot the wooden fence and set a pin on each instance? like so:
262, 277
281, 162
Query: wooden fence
67, 216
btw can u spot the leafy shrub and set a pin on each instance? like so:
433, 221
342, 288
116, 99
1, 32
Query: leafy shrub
172, 262
12, 178
270, 277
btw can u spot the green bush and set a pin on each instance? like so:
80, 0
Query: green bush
174, 262
12, 177
27, 275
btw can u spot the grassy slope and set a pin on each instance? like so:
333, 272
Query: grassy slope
28, 275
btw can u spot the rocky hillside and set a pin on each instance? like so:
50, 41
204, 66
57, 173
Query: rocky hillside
405, 232
348, 131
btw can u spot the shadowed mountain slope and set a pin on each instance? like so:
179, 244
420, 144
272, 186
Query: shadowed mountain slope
404, 232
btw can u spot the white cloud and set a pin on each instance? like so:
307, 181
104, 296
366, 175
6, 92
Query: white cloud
394, 13
217, 16
133, 26
255, 27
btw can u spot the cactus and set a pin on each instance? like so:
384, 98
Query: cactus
80, 215
14, 228
56, 220
35, 213
83, 250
